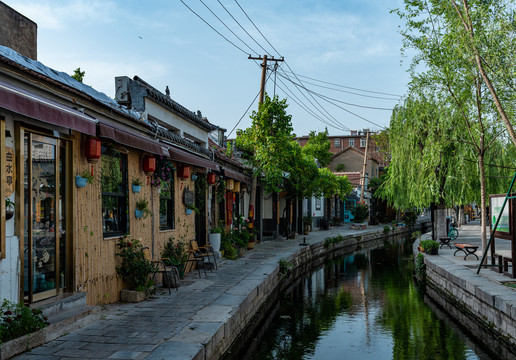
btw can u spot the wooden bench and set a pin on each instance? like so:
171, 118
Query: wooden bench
445, 241
466, 249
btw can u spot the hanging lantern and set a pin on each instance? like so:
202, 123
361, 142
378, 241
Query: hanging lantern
211, 178
92, 150
149, 165
184, 172
236, 188
230, 184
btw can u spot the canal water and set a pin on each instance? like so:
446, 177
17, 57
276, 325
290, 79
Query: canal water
359, 306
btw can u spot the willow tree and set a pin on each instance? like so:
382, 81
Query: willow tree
426, 167
450, 57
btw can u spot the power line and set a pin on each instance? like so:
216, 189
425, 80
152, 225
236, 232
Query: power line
347, 87
227, 27
225, 38
238, 122
243, 28
340, 101
256, 27
351, 92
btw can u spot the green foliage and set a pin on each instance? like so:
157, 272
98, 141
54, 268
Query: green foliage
360, 212
78, 74
429, 245
164, 173
201, 187
176, 251
230, 251
134, 268
416, 235
137, 181
386, 229
331, 241
17, 320
307, 220
111, 171
88, 176
285, 268
340, 168
318, 147
9, 203
143, 206
420, 266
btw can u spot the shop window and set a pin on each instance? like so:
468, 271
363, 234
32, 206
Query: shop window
166, 206
318, 203
115, 211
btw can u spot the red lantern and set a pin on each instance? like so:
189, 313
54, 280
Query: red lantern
184, 172
92, 150
149, 165
211, 178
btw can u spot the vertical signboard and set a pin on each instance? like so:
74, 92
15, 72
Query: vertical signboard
504, 218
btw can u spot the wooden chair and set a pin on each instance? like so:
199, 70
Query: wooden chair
196, 257
170, 273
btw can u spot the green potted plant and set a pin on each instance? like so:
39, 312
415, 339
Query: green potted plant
307, 224
134, 270
142, 209
431, 247
136, 185
9, 208
175, 253
84, 178
191, 208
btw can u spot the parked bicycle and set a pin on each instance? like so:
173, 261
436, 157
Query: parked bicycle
453, 232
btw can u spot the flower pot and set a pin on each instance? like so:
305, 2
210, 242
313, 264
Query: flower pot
188, 211
138, 213
132, 296
215, 241
137, 188
433, 252
80, 182
250, 245
9, 214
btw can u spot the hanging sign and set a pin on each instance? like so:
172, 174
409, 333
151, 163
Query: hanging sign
10, 171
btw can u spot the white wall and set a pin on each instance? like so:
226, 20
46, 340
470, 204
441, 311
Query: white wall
9, 266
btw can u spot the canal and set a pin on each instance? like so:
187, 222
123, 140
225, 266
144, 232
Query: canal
363, 305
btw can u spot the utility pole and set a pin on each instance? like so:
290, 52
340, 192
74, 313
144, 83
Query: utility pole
252, 200
363, 180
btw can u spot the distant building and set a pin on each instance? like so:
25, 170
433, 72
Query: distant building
18, 32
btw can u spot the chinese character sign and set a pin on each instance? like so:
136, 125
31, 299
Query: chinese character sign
10, 171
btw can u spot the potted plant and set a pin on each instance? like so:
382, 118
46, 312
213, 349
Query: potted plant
307, 224
431, 247
360, 213
175, 253
84, 178
142, 209
191, 208
137, 185
134, 270
9, 208
215, 238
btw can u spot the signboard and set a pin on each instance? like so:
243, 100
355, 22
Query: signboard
10, 171
504, 230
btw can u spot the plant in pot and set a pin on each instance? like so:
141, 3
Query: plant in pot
430, 246
9, 208
360, 213
175, 253
84, 178
190, 208
136, 185
142, 209
307, 224
134, 270
215, 238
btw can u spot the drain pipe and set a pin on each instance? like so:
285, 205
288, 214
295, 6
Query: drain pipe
152, 221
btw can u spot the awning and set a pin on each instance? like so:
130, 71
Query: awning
37, 107
237, 176
191, 159
131, 138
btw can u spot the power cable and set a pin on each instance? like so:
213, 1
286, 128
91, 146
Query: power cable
227, 27
256, 27
242, 27
352, 93
225, 38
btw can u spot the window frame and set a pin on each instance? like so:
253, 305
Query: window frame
363, 142
352, 142
122, 196
171, 207
336, 142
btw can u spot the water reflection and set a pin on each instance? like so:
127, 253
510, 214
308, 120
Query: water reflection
360, 306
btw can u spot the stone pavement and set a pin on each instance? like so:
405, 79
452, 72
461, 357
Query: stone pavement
180, 325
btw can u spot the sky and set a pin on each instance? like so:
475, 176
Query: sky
333, 50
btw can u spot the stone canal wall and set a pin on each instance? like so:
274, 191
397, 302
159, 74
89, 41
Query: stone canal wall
484, 308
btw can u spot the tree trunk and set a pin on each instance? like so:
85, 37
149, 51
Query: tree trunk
483, 209
440, 223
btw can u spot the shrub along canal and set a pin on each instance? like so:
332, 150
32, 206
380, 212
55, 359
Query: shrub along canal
364, 305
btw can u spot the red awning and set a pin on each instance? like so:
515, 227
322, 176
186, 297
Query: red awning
37, 107
191, 159
237, 176
131, 138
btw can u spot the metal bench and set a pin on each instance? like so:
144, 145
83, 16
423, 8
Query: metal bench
466, 249
445, 241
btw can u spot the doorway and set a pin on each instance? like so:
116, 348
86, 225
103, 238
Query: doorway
45, 187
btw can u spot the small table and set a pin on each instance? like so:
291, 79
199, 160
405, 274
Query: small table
445, 241
466, 249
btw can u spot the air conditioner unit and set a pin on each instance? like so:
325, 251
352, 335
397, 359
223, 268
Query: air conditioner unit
122, 94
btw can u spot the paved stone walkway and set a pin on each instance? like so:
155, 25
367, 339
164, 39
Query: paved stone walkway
176, 326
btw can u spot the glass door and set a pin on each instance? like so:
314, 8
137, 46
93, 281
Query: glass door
45, 230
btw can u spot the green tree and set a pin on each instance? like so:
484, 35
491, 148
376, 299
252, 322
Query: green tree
78, 74
318, 146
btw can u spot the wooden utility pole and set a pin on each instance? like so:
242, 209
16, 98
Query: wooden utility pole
252, 200
363, 180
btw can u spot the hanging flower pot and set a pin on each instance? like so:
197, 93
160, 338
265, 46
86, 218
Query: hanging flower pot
138, 213
188, 211
136, 188
194, 177
9, 209
80, 182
